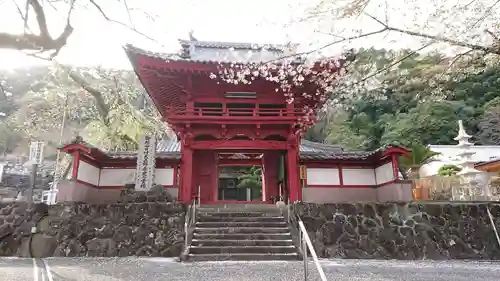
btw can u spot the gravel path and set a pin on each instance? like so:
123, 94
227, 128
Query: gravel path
152, 269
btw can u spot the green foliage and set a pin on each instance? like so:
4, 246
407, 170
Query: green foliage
252, 179
418, 101
419, 155
108, 108
9, 138
489, 125
448, 170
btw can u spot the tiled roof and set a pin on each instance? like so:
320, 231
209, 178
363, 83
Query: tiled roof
133, 51
308, 150
494, 160
166, 149
169, 145
171, 149
133, 155
227, 45
341, 154
309, 146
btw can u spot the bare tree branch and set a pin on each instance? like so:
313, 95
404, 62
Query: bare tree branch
26, 13
41, 42
486, 14
396, 62
455, 59
437, 38
128, 13
40, 18
101, 104
23, 16
343, 39
106, 17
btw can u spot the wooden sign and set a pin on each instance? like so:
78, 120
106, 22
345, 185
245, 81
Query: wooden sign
303, 172
36, 152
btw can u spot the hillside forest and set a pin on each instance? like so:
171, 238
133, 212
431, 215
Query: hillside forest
416, 101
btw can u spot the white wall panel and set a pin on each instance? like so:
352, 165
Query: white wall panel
164, 176
353, 176
323, 176
88, 173
384, 173
117, 177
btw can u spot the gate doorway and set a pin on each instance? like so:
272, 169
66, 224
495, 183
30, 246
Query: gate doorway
240, 183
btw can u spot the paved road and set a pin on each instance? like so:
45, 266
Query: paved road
152, 269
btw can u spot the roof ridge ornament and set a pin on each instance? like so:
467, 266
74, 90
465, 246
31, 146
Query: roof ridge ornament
191, 35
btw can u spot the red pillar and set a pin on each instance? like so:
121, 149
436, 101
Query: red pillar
270, 175
292, 156
263, 176
395, 168
292, 161
186, 182
185, 190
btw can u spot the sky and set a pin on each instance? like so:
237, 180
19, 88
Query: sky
98, 42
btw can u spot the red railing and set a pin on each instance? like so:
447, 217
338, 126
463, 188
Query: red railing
239, 112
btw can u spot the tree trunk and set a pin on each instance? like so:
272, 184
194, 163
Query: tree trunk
414, 172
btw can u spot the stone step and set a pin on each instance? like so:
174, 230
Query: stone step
238, 207
242, 257
242, 249
229, 224
237, 214
242, 236
227, 242
240, 219
244, 230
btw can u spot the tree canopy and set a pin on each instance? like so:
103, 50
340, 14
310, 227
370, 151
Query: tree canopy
109, 108
409, 105
382, 97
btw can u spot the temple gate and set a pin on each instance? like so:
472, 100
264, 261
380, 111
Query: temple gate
213, 118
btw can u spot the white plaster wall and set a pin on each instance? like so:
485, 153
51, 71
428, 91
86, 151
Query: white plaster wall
164, 176
323, 176
353, 176
88, 173
395, 192
384, 173
117, 177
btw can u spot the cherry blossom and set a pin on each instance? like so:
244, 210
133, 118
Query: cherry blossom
306, 83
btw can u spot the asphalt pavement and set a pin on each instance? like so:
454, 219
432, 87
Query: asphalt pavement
152, 269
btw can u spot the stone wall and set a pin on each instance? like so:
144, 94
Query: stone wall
77, 229
16, 221
416, 230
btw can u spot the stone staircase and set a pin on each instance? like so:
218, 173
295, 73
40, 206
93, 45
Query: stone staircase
241, 232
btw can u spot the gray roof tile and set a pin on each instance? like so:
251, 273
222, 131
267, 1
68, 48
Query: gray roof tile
227, 45
308, 150
171, 149
133, 51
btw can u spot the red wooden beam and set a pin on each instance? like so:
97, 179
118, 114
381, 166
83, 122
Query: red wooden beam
240, 162
396, 150
240, 144
336, 163
69, 148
